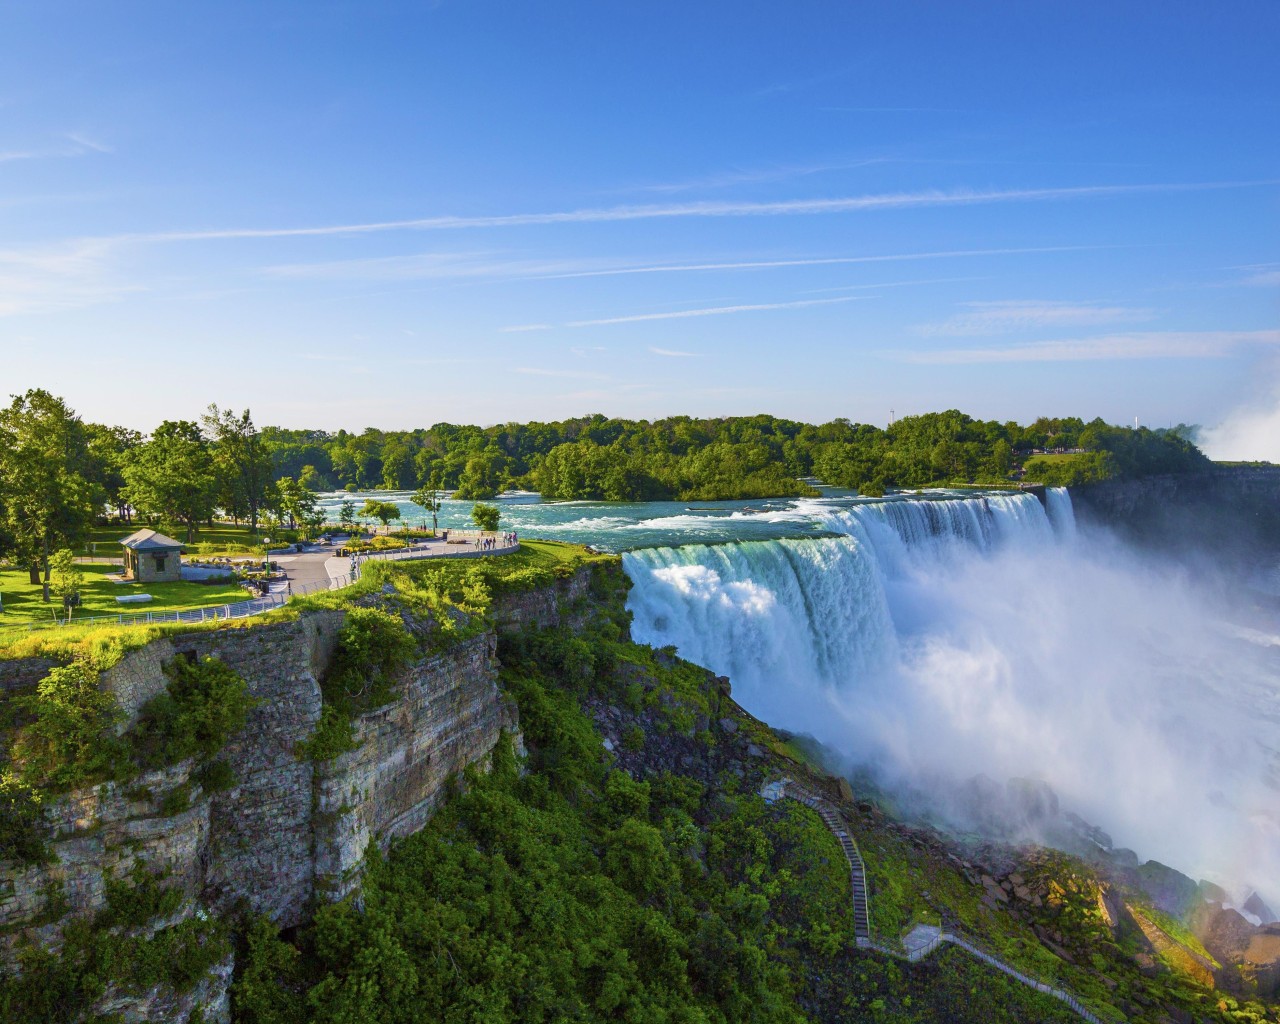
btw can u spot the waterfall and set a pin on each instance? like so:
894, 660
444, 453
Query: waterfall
938, 639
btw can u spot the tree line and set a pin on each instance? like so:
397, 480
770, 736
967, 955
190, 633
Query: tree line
59, 473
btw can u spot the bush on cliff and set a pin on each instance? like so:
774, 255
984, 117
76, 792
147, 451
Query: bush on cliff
69, 742
205, 704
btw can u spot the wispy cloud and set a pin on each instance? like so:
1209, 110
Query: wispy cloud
470, 264
84, 142
817, 261
981, 318
45, 278
1262, 275
761, 175
779, 208
673, 353
538, 371
520, 328
1138, 345
80, 145
425, 266
681, 314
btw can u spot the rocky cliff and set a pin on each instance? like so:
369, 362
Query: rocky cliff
289, 831
1225, 510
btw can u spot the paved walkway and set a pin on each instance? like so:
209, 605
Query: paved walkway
317, 565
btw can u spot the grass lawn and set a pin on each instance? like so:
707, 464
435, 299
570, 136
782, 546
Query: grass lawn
1064, 457
22, 604
219, 539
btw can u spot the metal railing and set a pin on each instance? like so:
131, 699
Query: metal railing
277, 598
835, 824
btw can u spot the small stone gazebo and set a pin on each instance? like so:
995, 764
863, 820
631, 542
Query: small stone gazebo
151, 557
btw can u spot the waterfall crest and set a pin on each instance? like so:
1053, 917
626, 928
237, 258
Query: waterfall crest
936, 640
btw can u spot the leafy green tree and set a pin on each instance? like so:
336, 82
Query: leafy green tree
312, 479
486, 516
46, 497
67, 579
484, 475
68, 742
171, 477
347, 515
430, 498
383, 511
108, 449
242, 462
299, 504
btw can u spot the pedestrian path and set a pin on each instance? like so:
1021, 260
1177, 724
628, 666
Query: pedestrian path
923, 939
311, 570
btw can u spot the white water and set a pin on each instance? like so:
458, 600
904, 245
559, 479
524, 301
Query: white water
935, 640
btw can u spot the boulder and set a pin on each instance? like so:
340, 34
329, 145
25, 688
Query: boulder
1255, 906
1170, 890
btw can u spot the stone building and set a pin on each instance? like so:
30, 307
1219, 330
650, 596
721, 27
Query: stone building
151, 557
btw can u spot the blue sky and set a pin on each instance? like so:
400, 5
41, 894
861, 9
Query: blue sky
351, 214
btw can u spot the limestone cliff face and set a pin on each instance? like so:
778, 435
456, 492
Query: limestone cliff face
290, 832
1225, 509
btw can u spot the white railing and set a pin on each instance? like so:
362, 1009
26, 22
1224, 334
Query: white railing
279, 598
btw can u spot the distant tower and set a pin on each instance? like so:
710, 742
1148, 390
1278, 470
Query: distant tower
890, 417
1135, 423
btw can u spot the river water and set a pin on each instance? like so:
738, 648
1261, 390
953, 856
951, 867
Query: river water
933, 638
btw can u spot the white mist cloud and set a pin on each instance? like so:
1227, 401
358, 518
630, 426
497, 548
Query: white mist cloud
1116, 679
1249, 434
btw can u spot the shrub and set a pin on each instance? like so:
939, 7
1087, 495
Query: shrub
333, 736
138, 898
215, 777
372, 647
206, 703
21, 823
69, 743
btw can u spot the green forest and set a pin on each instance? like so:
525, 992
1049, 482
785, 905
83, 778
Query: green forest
60, 474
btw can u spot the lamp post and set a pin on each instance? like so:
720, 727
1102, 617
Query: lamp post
266, 555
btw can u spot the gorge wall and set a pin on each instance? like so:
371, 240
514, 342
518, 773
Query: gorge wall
291, 831
1225, 510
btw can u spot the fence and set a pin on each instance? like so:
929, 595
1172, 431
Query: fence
865, 937
278, 599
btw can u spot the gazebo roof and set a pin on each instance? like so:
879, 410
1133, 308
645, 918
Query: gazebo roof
149, 540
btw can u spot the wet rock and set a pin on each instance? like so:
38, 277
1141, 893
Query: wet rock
1255, 906
1212, 893
1170, 890
755, 751
728, 726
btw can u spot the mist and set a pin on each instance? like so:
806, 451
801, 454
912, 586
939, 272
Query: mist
1248, 434
1144, 693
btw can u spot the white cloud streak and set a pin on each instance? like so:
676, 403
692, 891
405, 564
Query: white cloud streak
537, 371
983, 318
41, 279
708, 311
1138, 345
672, 353
819, 261
709, 209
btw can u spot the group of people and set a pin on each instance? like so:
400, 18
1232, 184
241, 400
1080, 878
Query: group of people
491, 542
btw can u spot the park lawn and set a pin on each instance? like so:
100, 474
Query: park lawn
23, 607
218, 539
1051, 457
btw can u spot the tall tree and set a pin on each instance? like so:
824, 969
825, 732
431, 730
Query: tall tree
429, 497
242, 461
45, 494
171, 476
109, 449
